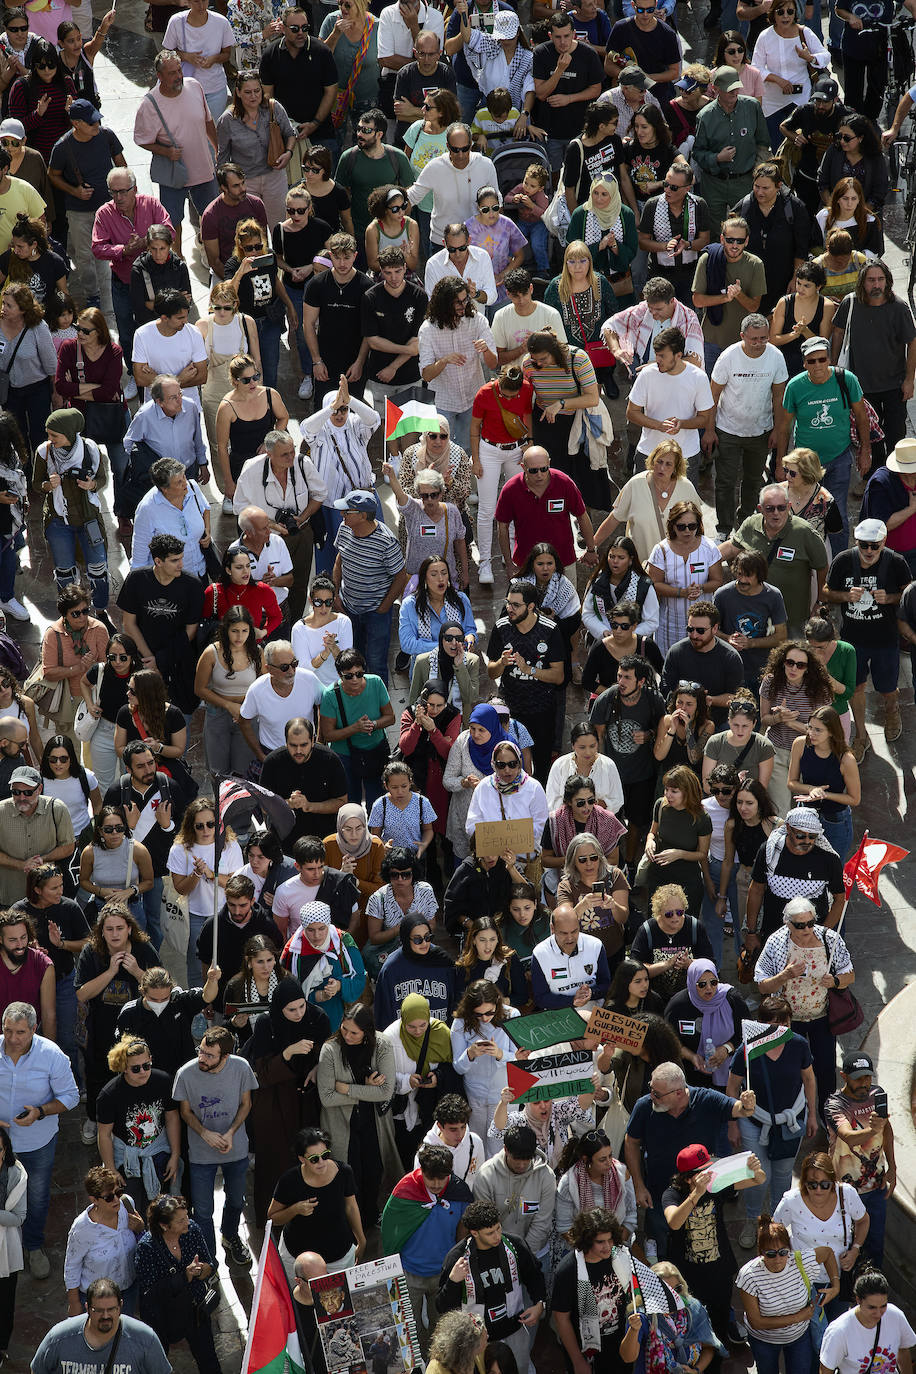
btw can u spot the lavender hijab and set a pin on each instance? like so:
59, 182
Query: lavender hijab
718, 1018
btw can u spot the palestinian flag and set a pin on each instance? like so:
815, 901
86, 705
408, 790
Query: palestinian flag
413, 418
759, 1037
407, 1209
273, 1341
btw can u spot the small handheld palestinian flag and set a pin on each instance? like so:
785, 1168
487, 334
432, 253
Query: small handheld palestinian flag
758, 1037
412, 418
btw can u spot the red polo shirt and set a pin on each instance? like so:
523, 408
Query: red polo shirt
24, 984
537, 519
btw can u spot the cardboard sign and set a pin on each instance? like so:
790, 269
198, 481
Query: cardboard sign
495, 837
612, 1028
545, 1028
551, 1076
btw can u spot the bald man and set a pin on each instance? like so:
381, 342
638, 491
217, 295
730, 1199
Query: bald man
308, 1265
14, 735
543, 504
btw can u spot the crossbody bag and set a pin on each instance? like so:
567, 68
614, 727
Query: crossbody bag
163, 170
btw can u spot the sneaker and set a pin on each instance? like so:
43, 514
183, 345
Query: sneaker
129, 389
106, 620
15, 609
227, 506
39, 1264
88, 1132
306, 387
860, 747
893, 725
737, 1332
237, 1251
650, 1250
748, 1237
401, 662
484, 575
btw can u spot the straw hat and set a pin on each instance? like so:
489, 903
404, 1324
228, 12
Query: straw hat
903, 458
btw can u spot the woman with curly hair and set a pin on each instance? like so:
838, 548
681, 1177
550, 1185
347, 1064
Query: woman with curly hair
225, 671
108, 973
794, 683
32, 366
139, 1134
391, 226
150, 717
30, 260
457, 1344
481, 1048
589, 1300
589, 1176
450, 359
190, 864
173, 1264
677, 847
633, 1072
670, 940
485, 955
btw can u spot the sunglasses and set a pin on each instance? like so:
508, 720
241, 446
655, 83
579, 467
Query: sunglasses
782, 1253
420, 939
397, 205
799, 663
297, 28
687, 528
315, 1159
22, 791
848, 138
297, 209
535, 471
585, 801
356, 676
46, 66
17, 28
790, 472
286, 667
721, 791
79, 611
84, 329
429, 495
622, 624
734, 242
802, 925
205, 825
506, 763
322, 601
465, 148
112, 829
404, 873
109, 1197
140, 1068
774, 509
677, 911
118, 658
315, 170
825, 1184
251, 378
708, 983
697, 629
868, 544
460, 248
587, 859
215, 308
452, 639
489, 209
736, 49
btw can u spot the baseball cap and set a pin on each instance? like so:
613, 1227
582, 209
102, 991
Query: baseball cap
815, 345
12, 128
687, 83
357, 500
726, 79
633, 76
85, 110
693, 1157
858, 1064
24, 773
826, 89
870, 529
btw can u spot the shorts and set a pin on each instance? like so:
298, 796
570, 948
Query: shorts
883, 661
640, 799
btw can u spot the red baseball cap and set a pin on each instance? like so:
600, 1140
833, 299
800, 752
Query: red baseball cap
693, 1157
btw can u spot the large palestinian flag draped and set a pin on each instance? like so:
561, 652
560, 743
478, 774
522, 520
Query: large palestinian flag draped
273, 1341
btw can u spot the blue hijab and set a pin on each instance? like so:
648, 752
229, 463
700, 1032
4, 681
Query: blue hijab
482, 754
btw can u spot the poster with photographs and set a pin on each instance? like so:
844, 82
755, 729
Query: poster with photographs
365, 1320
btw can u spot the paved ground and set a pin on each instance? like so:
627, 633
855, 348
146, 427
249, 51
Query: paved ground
883, 940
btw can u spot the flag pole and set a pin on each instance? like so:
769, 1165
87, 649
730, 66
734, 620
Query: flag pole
214, 958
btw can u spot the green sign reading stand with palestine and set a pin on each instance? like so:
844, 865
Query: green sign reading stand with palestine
545, 1028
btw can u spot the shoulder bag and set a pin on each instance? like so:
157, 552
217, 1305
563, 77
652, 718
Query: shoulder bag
598, 353
84, 722
47, 696
367, 763
844, 1013
513, 424
556, 217
213, 559
276, 143
106, 421
818, 1324
162, 169
845, 346
7, 367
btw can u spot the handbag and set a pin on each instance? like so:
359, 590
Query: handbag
47, 696
318, 524
6, 368
84, 722
276, 143
513, 424
875, 432
622, 284
615, 1119
598, 353
213, 559
844, 1013
367, 764
745, 966
818, 1323
105, 421
204, 1306
843, 356
162, 169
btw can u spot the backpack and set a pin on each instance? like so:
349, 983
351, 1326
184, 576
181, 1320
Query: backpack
11, 657
137, 481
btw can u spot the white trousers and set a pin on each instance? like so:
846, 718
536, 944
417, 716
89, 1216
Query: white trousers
497, 463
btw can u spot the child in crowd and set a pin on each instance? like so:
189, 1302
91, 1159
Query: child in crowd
529, 198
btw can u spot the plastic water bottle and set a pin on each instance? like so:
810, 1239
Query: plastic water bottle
710, 1051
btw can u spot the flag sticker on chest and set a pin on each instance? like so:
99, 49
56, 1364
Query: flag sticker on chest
558, 973
556, 506
428, 531
698, 567
784, 555
529, 1207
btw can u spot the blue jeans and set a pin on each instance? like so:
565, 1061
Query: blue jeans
839, 832
372, 787
62, 539
711, 352
217, 102
836, 480
468, 101
152, 907
65, 998
875, 1204
174, 198
203, 1183
196, 924
269, 332
296, 291
536, 234
713, 924
773, 122
124, 316
372, 635
39, 1165
459, 426
778, 1171
797, 1354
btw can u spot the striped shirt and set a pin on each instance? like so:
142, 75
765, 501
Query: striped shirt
779, 1293
368, 566
456, 386
555, 383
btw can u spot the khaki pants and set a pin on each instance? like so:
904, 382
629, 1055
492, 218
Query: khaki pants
300, 544
420, 1287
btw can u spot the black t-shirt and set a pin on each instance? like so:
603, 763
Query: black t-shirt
653, 51
329, 207
167, 1033
327, 1228
601, 665
136, 1115
819, 129
232, 940
662, 1136
258, 288
319, 779
397, 319
701, 1244
411, 85
651, 944
866, 622
300, 248
611, 1300
720, 670
687, 1021
161, 612
174, 721
44, 273
299, 82
585, 69
816, 876
539, 647
104, 1007
69, 917
604, 157
635, 762
339, 323
646, 166
112, 693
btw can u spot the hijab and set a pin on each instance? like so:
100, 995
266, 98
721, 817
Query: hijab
284, 1031
507, 788
482, 754
426, 752
434, 955
718, 1018
442, 665
353, 811
600, 222
439, 1044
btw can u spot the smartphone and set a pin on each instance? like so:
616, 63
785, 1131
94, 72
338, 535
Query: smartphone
797, 90
881, 1103
601, 886
93, 532
20, 1116
263, 261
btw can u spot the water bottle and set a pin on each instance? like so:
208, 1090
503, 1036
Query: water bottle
710, 1051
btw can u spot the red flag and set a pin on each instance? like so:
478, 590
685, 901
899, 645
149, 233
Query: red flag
863, 869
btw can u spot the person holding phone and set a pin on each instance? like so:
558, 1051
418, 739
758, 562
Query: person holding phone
861, 1143
253, 271
779, 1302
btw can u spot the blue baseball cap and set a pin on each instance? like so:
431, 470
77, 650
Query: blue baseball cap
84, 110
357, 500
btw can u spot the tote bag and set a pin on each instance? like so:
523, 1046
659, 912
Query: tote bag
175, 924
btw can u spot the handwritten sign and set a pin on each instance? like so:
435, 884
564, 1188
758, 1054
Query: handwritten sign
495, 837
545, 1028
612, 1028
551, 1076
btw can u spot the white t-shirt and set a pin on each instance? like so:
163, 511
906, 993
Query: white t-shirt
273, 711
308, 643
510, 329
746, 405
181, 861
168, 354
208, 40
665, 396
807, 1229
288, 899
847, 1344
70, 792
779, 1293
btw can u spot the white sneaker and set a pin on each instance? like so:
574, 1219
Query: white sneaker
15, 609
306, 387
485, 574
88, 1132
227, 506
129, 389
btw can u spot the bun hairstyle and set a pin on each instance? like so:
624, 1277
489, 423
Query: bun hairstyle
511, 377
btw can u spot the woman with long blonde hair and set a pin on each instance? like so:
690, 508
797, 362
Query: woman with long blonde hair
226, 332
677, 846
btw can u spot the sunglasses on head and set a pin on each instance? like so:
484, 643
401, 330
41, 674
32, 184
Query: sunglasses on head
355, 676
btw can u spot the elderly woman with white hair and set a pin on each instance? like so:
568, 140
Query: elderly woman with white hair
803, 962
588, 880
433, 524
338, 436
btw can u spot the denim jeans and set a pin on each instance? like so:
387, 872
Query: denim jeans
459, 426
269, 332
713, 924
152, 906
203, 1184
62, 540
65, 998
537, 236
173, 199
217, 102
468, 101
836, 480
31, 406
371, 787
124, 317
875, 1204
296, 291
778, 1171
797, 1354
839, 832
196, 924
39, 1165
372, 635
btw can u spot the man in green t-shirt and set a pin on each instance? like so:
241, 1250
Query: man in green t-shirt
819, 407
370, 163
792, 550
729, 284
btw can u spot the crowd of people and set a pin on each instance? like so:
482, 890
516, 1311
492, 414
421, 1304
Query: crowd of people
497, 221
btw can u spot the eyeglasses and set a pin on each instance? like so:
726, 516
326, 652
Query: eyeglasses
721, 791
297, 209
79, 611
534, 471
802, 925
118, 658
22, 791
734, 242
459, 248
205, 825
322, 601
654, 1092
465, 148
140, 1068
848, 138
799, 663
686, 528
112, 829
868, 544
420, 939
505, 763
356, 676
825, 1184
452, 639
252, 377
316, 1159
286, 667
781, 1253
708, 983
84, 329
676, 911
489, 209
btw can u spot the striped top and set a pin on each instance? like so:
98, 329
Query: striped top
368, 566
554, 384
799, 701
778, 1293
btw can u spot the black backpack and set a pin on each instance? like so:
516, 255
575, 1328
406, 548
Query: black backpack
137, 481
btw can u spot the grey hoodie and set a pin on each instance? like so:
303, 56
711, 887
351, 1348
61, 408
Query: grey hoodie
525, 1201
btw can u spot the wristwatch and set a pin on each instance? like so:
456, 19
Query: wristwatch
41, 1113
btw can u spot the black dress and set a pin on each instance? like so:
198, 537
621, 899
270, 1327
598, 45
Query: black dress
247, 436
792, 351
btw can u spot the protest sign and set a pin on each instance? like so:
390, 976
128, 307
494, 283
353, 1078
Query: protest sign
364, 1316
551, 1075
613, 1028
495, 837
545, 1028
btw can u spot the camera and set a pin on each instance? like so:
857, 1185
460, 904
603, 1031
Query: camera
287, 518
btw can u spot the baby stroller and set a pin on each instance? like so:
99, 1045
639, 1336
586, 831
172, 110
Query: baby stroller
512, 161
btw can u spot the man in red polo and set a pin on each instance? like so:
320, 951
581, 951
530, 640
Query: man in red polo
542, 503
26, 973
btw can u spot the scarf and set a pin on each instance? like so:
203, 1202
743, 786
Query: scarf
482, 754
353, 812
299, 948
776, 843
452, 604
346, 97
447, 679
600, 222
507, 789
661, 229
425, 752
718, 1019
606, 828
283, 1031
66, 462
716, 277
139, 1161
514, 1295
610, 1186
438, 1045
554, 598
587, 1305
